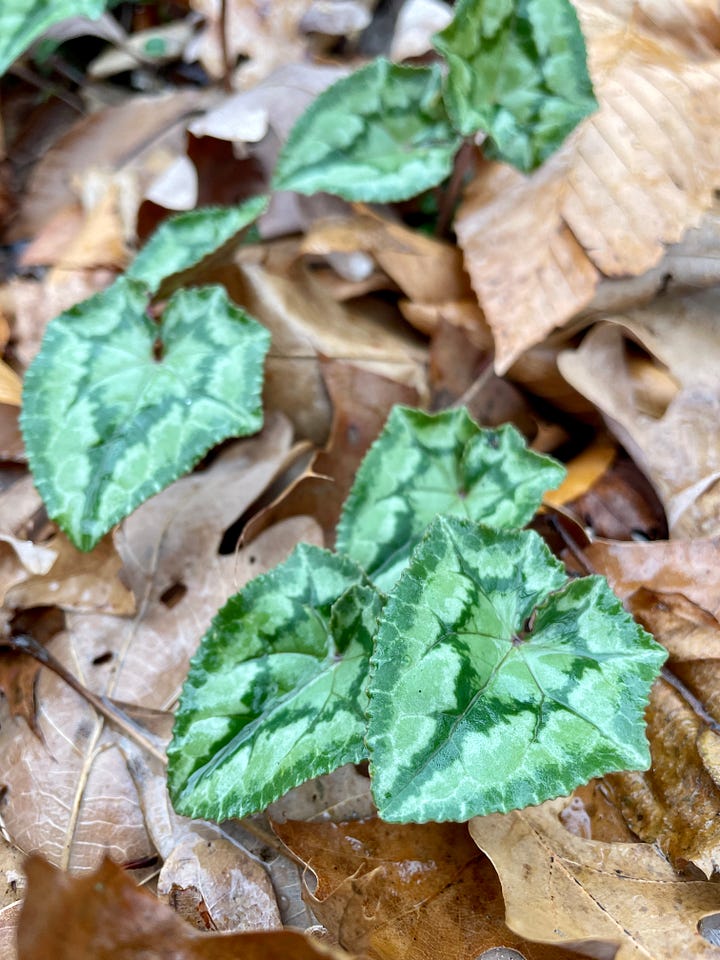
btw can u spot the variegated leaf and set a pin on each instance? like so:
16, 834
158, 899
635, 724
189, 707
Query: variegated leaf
107, 423
380, 134
517, 71
423, 465
496, 683
182, 241
277, 692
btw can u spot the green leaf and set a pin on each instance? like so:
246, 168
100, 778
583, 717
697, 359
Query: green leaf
496, 683
423, 465
182, 241
517, 71
276, 694
380, 134
22, 21
107, 425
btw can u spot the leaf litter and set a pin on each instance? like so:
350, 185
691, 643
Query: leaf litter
556, 296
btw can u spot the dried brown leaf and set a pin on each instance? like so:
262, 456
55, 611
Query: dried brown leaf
307, 324
416, 891
105, 916
138, 137
678, 450
215, 885
633, 178
594, 896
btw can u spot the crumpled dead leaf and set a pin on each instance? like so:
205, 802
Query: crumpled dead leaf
670, 433
306, 323
106, 916
72, 797
213, 884
140, 136
266, 35
414, 891
594, 896
536, 246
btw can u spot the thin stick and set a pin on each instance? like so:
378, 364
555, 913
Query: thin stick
24, 643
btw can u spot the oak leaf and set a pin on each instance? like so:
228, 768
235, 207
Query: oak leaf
562, 889
410, 892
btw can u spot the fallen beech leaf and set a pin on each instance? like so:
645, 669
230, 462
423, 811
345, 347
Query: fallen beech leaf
213, 883
621, 504
72, 797
417, 21
361, 402
535, 247
681, 335
9, 917
31, 304
343, 794
105, 916
11, 442
669, 587
265, 35
412, 892
562, 889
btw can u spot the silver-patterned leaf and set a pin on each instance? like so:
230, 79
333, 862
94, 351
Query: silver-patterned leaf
277, 692
426, 464
107, 422
496, 683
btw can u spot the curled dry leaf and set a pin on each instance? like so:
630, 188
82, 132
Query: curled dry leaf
265, 35
105, 916
616, 193
562, 889
429, 272
140, 136
76, 581
670, 433
72, 797
406, 892
306, 324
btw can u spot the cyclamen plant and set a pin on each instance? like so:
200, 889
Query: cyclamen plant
440, 641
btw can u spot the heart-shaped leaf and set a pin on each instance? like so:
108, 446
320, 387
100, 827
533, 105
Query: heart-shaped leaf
517, 71
380, 134
496, 683
107, 424
181, 242
277, 692
423, 465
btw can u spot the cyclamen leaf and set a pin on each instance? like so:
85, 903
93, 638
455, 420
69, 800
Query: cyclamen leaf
22, 22
277, 692
496, 683
186, 239
517, 71
380, 134
423, 465
106, 425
